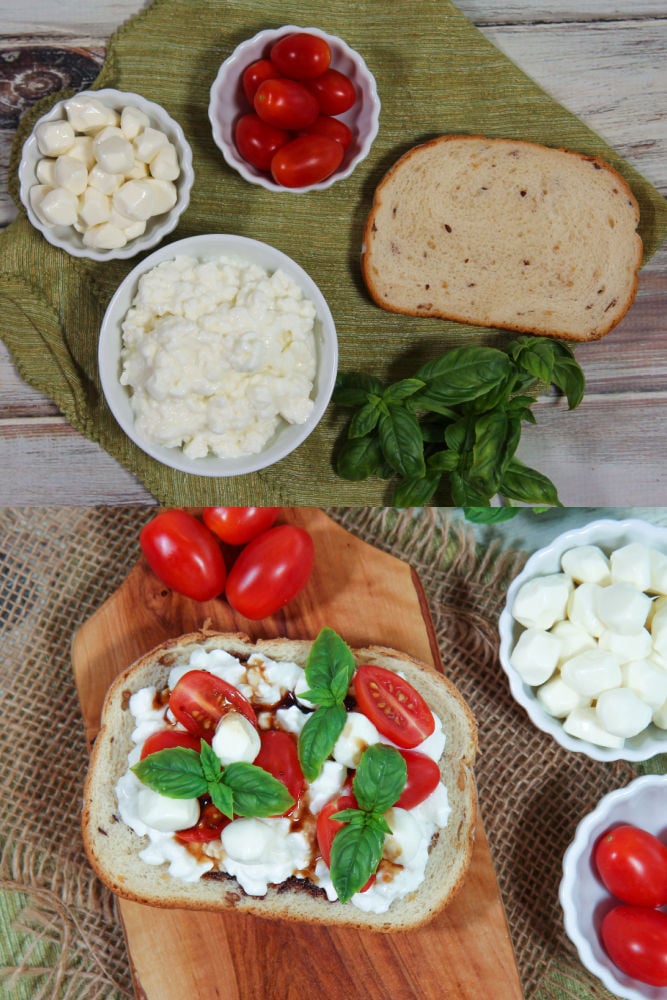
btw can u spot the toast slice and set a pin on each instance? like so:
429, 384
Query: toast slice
113, 848
506, 234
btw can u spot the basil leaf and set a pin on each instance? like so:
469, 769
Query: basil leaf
401, 441
569, 377
355, 855
490, 515
442, 461
318, 738
360, 458
380, 778
402, 390
522, 483
330, 663
364, 420
536, 355
255, 791
461, 375
466, 493
488, 452
353, 389
210, 763
175, 772
222, 798
416, 492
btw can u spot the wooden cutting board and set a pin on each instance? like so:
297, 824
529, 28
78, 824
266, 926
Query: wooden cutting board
368, 597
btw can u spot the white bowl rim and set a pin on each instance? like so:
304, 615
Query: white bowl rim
140, 243
582, 841
641, 747
117, 396
238, 164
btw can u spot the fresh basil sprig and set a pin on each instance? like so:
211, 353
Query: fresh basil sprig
356, 849
329, 669
458, 417
239, 789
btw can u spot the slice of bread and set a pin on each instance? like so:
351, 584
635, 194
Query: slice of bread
113, 848
504, 234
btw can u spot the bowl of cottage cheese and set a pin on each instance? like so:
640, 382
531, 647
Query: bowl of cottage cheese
218, 355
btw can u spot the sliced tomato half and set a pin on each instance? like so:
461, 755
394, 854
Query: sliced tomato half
394, 707
200, 699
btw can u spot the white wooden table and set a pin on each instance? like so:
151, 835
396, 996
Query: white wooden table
607, 62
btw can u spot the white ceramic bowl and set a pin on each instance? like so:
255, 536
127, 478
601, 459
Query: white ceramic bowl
209, 247
227, 103
609, 535
66, 237
584, 898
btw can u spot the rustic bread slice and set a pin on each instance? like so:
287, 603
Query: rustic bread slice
113, 848
504, 234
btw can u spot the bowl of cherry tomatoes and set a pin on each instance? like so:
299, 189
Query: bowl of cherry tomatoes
294, 109
614, 890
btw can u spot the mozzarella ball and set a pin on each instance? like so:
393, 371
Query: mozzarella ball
622, 608
592, 672
235, 739
622, 712
581, 608
647, 680
71, 173
573, 639
627, 647
584, 724
558, 698
402, 844
54, 138
535, 655
586, 564
541, 602
59, 207
89, 115
166, 814
632, 564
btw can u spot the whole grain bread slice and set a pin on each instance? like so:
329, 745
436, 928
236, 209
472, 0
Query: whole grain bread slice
113, 848
504, 233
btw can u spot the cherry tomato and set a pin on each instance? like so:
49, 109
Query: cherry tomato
285, 104
334, 91
301, 56
423, 778
635, 938
279, 756
184, 554
393, 706
167, 739
200, 699
256, 73
327, 828
632, 863
334, 128
307, 159
270, 571
239, 525
209, 826
256, 141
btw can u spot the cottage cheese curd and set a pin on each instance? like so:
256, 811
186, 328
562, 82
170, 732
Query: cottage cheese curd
217, 353
267, 851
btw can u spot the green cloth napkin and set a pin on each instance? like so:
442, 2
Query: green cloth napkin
436, 73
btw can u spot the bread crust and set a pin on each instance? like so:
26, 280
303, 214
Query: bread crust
504, 233
113, 848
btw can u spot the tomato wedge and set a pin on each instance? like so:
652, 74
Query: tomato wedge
279, 756
423, 778
167, 739
200, 699
210, 825
394, 707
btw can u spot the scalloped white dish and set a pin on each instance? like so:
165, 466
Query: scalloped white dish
227, 103
608, 535
583, 897
66, 237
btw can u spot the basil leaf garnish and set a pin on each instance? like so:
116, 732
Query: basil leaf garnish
355, 854
175, 772
380, 778
329, 670
318, 738
255, 791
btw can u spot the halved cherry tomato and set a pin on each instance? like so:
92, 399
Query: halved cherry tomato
305, 160
635, 938
279, 756
167, 739
334, 91
209, 826
184, 554
301, 56
239, 525
270, 571
285, 104
632, 863
327, 828
256, 73
256, 141
200, 699
334, 128
423, 778
394, 707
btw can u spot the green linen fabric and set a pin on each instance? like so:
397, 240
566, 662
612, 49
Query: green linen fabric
436, 73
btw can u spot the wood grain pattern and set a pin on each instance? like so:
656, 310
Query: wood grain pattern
466, 952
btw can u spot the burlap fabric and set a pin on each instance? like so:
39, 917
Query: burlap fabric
59, 930
436, 73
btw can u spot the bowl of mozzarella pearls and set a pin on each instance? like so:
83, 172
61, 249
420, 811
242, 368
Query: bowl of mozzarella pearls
105, 174
218, 355
583, 639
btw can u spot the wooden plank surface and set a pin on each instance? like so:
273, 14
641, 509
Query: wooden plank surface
369, 597
606, 63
